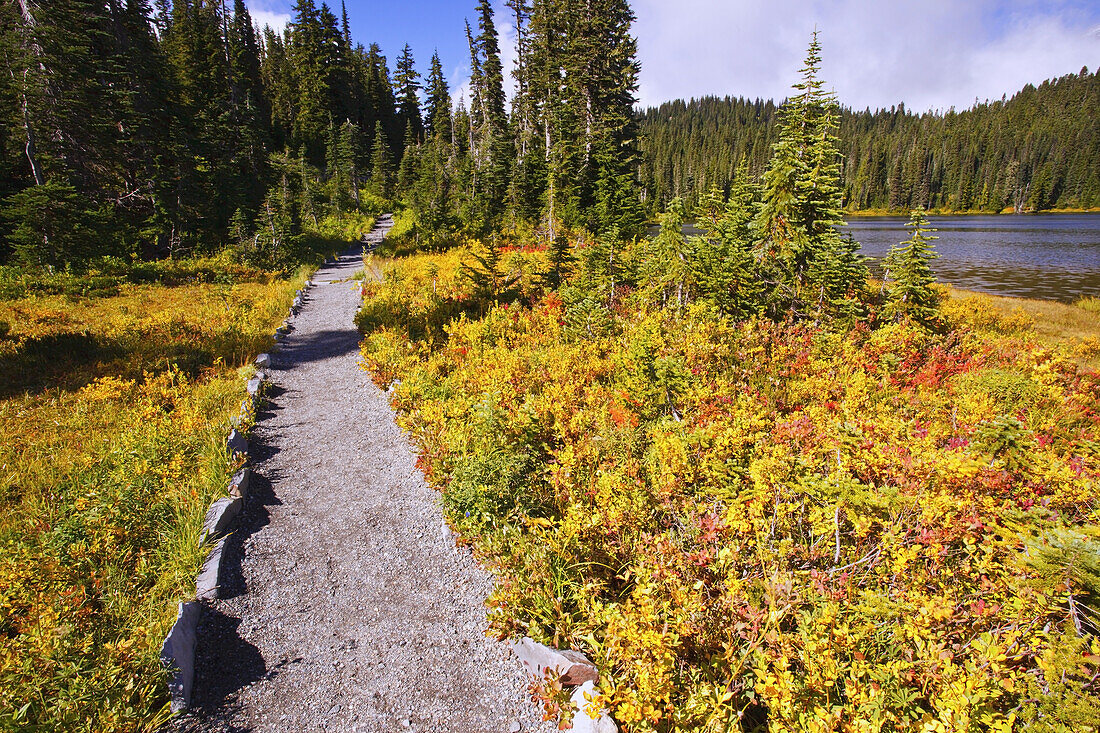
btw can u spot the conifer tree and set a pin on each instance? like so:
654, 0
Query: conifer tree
439, 102
491, 146
669, 265
806, 267
909, 277
407, 87
381, 168
561, 263
725, 267
408, 168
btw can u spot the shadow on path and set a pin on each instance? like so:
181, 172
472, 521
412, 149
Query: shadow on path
317, 346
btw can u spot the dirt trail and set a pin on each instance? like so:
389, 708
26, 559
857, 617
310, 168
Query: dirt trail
345, 607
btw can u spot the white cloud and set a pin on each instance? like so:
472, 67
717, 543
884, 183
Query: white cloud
265, 18
504, 20
273, 13
926, 53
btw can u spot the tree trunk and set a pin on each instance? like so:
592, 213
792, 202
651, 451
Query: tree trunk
30, 148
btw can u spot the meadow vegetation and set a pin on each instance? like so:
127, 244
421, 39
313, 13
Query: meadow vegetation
753, 524
117, 386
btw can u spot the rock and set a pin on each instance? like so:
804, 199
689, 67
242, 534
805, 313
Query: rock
178, 655
220, 515
514, 727
238, 485
254, 386
573, 668
236, 443
582, 721
206, 585
298, 302
263, 361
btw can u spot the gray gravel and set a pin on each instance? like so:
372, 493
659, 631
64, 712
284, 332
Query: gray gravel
345, 607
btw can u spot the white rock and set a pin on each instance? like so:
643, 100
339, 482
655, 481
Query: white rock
582, 721
572, 667
263, 361
238, 485
220, 515
206, 585
178, 655
254, 385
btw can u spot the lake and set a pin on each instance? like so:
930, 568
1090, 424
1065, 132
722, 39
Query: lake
1044, 256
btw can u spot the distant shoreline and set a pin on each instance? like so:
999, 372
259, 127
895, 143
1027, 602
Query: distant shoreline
877, 213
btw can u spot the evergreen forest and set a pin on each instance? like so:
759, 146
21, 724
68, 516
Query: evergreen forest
1038, 150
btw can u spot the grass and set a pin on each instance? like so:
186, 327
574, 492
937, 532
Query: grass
117, 386
1050, 322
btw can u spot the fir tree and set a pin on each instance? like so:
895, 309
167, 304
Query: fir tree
381, 168
439, 102
407, 87
807, 268
669, 264
909, 277
725, 267
491, 146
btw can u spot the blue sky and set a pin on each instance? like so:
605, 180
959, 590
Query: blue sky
930, 54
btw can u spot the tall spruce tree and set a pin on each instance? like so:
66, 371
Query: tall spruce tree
909, 280
439, 102
806, 266
491, 146
406, 82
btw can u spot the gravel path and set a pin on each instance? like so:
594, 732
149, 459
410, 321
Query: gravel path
345, 606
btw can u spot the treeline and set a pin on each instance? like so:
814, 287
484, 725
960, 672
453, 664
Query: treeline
1038, 150
565, 157
145, 131
139, 132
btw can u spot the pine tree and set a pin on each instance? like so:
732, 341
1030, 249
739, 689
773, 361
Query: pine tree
407, 87
439, 102
909, 277
807, 268
669, 264
381, 168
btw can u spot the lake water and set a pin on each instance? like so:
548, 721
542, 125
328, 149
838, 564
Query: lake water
1044, 256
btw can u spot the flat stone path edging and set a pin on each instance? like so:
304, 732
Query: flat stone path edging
342, 605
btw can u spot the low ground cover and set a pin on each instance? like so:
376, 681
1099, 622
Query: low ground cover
753, 525
117, 386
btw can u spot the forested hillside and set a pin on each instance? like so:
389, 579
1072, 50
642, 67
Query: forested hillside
128, 131
1038, 150
136, 132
